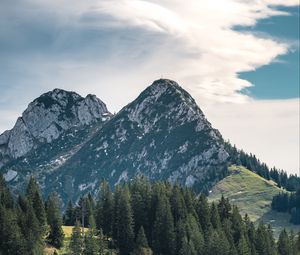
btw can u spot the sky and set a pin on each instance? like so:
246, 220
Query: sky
239, 59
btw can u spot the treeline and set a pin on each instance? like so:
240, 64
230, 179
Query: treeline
288, 202
28, 223
160, 218
280, 177
137, 218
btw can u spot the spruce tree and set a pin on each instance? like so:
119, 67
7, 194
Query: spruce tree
141, 244
91, 244
34, 196
30, 227
12, 241
69, 218
243, 246
163, 229
203, 212
124, 222
76, 242
104, 209
56, 234
214, 216
284, 243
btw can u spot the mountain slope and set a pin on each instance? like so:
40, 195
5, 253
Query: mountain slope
162, 134
253, 195
50, 130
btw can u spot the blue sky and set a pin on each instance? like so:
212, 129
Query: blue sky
238, 59
279, 80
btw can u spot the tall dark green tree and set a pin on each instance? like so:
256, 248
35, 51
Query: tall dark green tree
163, 229
104, 209
34, 196
124, 223
56, 234
76, 242
284, 247
203, 212
91, 243
69, 218
30, 227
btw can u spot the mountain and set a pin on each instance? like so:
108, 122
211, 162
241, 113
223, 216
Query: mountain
162, 134
55, 124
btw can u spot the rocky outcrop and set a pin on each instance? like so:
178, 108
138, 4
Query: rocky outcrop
46, 118
163, 135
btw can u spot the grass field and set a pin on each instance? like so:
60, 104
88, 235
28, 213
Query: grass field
253, 195
68, 232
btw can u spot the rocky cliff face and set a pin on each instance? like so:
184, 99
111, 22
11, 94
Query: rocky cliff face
46, 118
162, 134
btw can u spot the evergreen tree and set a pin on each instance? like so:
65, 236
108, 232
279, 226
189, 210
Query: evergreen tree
203, 212
6, 199
12, 241
284, 247
141, 244
56, 234
76, 242
124, 222
104, 209
30, 227
214, 216
34, 196
91, 246
69, 218
163, 229
243, 246
224, 208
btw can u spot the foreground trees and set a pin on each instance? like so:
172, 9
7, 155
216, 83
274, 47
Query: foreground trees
139, 218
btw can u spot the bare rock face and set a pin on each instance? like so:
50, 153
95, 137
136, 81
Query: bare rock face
46, 118
69, 143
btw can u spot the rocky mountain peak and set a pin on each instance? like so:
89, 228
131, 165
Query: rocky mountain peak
46, 118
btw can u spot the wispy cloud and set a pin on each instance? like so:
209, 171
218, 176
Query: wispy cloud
193, 42
114, 48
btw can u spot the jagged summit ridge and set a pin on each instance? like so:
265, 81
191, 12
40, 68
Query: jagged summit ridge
46, 118
162, 134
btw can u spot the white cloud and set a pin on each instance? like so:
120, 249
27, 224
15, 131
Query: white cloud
115, 48
267, 128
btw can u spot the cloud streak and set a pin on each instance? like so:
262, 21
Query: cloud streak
114, 48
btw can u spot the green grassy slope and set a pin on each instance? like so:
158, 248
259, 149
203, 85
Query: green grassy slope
253, 195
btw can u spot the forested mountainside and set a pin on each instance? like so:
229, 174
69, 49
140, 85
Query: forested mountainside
137, 218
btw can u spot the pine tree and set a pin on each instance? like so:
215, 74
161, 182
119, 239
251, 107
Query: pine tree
194, 234
56, 235
104, 209
203, 213
284, 243
163, 229
224, 208
6, 199
141, 244
217, 243
34, 196
69, 216
243, 246
76, 242
30, 227
91, 246
179, 210
12, 241
124, 224
214, 216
